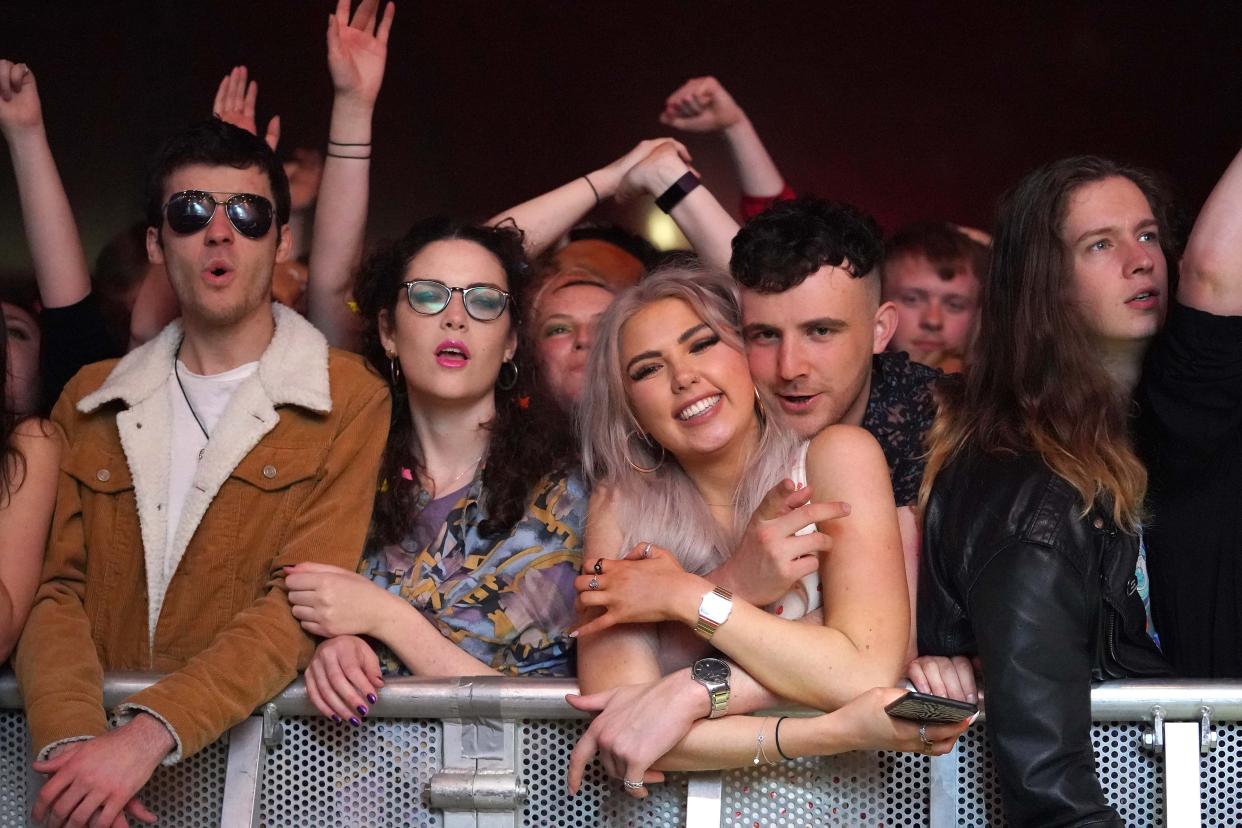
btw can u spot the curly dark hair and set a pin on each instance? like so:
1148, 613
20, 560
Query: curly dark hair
780, 247
530, 437
217, 144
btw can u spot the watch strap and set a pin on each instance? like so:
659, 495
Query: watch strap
707, 626
681, 188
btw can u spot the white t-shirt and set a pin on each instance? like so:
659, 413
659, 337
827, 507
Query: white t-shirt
806, 595
209, 396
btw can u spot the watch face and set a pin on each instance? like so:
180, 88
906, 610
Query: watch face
711, 669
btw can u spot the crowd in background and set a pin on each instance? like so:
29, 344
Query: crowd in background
801, 462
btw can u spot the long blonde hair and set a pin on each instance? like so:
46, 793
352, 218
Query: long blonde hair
663, 506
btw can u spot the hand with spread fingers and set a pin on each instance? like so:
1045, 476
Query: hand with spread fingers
644, 586
772, 555
344, 679
952, 678
235, 104
358, 49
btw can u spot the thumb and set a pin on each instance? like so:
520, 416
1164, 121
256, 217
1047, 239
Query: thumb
140, 812
312, 566
775, 502
273, 132
592, 703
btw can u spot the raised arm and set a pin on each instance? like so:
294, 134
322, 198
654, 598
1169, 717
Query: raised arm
546, 218
52, 233
704, 105
1211, 270
708, 226
357, 53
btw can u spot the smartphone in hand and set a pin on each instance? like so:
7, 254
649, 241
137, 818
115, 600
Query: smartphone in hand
924, 707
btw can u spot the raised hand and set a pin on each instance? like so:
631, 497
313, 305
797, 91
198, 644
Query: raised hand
358, 49
235, 103
607, 179
19, 99
701, 105
666, 162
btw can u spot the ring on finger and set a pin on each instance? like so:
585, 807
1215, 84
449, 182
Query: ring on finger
593, 583
599, 567
647, 550
923, 735
633, 786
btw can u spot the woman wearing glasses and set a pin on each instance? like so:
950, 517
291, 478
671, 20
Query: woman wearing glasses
476, 534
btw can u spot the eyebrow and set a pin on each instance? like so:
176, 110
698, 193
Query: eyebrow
1101, 231
686, 334
825, 322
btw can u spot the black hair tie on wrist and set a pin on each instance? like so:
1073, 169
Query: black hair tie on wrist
777, 738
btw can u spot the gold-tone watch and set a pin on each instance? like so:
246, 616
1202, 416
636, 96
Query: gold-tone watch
714, 610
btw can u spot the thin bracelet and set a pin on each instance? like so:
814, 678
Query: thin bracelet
777, 738
592, 186
759, 746
332, 154
344, 144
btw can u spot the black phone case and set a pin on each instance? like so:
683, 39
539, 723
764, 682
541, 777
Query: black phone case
925, 708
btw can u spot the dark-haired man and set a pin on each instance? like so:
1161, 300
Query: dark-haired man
195, 469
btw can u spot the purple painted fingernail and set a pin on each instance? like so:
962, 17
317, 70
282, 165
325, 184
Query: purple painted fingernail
353, 720
336, 718
362, 710
372, 698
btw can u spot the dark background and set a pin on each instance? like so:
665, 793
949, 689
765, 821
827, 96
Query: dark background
910, 110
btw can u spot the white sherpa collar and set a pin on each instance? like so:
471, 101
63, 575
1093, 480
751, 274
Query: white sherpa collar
293, 370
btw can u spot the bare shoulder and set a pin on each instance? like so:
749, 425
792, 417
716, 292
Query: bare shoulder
36, 439
844, 443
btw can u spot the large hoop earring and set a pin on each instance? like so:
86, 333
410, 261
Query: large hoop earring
394, 371
648, 442
506, 380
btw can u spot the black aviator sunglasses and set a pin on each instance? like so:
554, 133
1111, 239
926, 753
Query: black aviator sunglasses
191, 210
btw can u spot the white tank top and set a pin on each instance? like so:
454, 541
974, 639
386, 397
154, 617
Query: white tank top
806, 595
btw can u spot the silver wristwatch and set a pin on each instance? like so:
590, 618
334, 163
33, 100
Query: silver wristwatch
713, 674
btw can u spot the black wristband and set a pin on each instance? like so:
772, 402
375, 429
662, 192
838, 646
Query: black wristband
681, 188
332, 154
777, 738
346, 144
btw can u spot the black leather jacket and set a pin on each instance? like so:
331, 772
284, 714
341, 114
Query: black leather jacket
1047, 598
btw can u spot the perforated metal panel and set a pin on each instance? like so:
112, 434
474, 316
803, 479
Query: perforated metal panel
1220, 773
546, 746
849, 789
190, 793
1131, 777
327, 775
14, 760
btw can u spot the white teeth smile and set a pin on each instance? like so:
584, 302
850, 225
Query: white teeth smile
1144, 295
450, 352
695, 409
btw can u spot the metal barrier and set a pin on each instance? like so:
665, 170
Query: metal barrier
486, 753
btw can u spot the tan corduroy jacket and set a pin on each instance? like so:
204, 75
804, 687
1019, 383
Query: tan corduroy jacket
288, 476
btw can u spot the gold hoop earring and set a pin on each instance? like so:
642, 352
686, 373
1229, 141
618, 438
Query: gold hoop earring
649, 443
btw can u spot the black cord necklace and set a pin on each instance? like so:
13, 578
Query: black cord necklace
189, 404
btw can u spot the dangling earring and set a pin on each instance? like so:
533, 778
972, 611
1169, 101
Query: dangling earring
760, 409
507, 378
394, 370
649, 444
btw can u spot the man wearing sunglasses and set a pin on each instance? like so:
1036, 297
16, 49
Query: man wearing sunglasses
232, 445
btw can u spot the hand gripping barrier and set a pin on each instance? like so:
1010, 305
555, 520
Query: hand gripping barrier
489, 752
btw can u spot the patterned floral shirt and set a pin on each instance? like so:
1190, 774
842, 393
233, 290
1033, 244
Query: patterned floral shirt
900, 410
507, 601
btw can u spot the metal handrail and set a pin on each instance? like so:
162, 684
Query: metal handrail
494, 697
